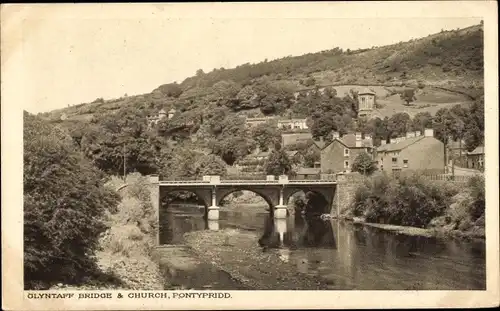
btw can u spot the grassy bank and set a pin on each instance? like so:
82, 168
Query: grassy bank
413, 205
125, 249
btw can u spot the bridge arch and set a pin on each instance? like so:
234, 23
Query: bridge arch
203, 196
323, 196
269, 195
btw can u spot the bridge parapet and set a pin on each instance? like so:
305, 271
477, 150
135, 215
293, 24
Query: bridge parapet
248, 181
184, 182
311, 181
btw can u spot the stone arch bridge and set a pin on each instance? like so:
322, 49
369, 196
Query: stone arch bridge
211, 190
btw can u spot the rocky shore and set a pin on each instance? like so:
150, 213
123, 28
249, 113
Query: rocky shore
237, 253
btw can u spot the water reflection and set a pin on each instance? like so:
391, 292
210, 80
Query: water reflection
346, 255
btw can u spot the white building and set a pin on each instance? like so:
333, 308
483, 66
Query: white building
292, 124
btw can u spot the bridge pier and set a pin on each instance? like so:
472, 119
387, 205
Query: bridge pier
213, 210
213, 225
280, 210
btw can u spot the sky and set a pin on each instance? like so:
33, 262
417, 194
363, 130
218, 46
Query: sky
77, 54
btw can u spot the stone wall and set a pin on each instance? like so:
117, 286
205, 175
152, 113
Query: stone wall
344, 194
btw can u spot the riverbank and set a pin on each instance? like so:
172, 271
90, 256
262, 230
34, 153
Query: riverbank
416, 206
237, 253
436, 232
124, 258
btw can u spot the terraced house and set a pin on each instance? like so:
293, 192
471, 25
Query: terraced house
339, 154
414, 152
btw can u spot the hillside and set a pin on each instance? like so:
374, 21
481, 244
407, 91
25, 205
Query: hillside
443, 70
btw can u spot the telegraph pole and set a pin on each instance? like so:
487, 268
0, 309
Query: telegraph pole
124, 164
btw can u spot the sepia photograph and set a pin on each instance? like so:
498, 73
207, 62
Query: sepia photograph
179, 156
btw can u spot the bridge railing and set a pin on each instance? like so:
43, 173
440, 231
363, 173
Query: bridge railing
246, 181
233, 177
310, 181
176, 182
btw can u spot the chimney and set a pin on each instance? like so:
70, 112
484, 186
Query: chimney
393, 140
417, 133
358, 136
335, 134
321, 138
358, 143
429, 133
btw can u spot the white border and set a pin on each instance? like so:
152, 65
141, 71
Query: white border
12, 159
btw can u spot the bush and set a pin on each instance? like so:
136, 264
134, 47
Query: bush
64, 207
477, 192
408, 201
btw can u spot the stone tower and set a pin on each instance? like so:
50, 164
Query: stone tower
366, 99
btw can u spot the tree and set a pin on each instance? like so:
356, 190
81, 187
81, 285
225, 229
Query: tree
457, 128
398, 124
171, 90
225, 89
200, 72
363, 164
474, 135
210, 165
278, 163
232, 148
265, 135
442, 124
408, 95
421, 121
322, 126
64, 206
311, 156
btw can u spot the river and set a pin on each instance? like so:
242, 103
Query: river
353, 256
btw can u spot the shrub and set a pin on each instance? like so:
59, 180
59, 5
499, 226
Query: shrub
409, 201
477, 193
64, 207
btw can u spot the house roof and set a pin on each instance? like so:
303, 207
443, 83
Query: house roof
366, 91
349, 140
291, 153
320, 143
400, 145
308, 171
161, 111
478, 150
172, 110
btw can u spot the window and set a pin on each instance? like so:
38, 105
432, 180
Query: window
394, 160
346, 164
405, 163
346, 152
